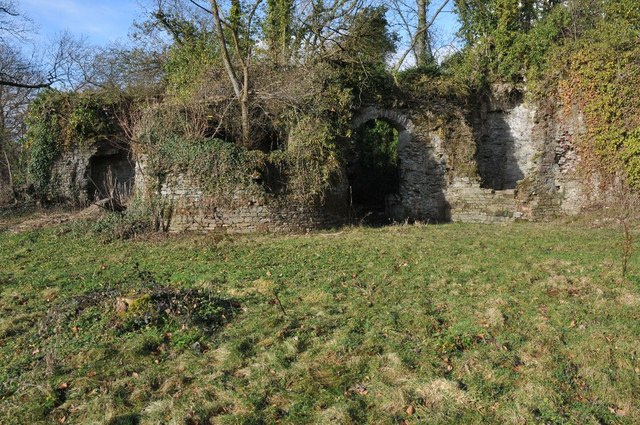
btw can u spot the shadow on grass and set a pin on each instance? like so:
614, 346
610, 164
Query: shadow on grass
128, 419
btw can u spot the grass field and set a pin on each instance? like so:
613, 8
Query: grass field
527, 323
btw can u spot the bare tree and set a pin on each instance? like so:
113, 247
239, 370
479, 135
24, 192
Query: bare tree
14, 100
313, 30
12, 24
417, 21
14, 70
235, 24
21, 77
321, 25
64, 59
236, 41
625, 206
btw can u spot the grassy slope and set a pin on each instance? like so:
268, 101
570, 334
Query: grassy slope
435, 324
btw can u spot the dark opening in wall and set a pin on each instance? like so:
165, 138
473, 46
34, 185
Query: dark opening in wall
372, 171
111, 175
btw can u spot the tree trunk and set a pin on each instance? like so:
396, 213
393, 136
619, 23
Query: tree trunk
278, 29
2, 143
424, 55
244, 110
241, 89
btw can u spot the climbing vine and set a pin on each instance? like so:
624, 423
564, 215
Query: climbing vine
300, 161
57, 122
217, 167
602, 76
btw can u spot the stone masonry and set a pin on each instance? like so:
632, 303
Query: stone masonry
192, 210
525, 160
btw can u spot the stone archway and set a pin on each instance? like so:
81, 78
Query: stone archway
421, 168
399, 121
383, 199
110, 174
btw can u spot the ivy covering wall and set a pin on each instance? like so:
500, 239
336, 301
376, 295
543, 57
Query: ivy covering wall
60, 121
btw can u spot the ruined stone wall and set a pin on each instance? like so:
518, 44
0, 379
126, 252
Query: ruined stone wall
470, 203
192, 210
554, 186
505, 148
526, 167
69, 178
77, 175
525, 163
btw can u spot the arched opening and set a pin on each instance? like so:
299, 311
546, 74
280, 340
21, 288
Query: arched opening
373, 171
111, 175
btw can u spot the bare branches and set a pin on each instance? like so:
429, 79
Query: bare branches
320, 24
201, 7
18, 72
8, 11
421, 29
11, 22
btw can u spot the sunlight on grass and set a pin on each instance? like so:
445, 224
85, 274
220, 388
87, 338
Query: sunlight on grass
525, 323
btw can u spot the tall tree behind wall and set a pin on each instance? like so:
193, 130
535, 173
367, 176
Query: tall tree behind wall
423, 48
415, 21
278, 29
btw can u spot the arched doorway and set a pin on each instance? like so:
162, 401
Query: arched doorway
374, 166
372, 171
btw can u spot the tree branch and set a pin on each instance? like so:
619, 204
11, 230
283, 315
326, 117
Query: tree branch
8, 11
199, 6
226, 59
414, 40
8, 83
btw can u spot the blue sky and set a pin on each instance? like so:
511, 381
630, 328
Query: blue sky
101, 21
106, 21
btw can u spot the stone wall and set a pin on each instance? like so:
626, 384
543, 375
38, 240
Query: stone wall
526, 170
248, 219
527, 158
69, 179
505, 147
192, 210
554, 186
470, 203
526, 167
78, 176
507, 154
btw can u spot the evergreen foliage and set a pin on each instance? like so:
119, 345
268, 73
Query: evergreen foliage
582, 52
602, 75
